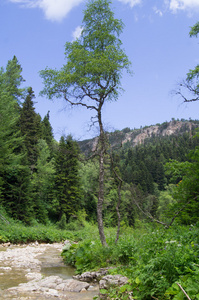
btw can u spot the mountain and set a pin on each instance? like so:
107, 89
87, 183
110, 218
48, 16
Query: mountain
131, 138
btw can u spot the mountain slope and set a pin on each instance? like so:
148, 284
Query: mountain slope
132, 138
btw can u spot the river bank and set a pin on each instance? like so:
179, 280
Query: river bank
36, 271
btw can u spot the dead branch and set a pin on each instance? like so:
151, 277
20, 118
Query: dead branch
183, 291
148, 215
4, 219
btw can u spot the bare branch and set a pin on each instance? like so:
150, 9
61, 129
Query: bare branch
183, 291
80, 103
148, 215
188, 87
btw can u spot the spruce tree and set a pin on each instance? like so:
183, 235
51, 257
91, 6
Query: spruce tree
14, 79
14, 174
30, 125
42, 182
47, 132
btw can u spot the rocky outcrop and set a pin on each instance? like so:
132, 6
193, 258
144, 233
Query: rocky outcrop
138, 136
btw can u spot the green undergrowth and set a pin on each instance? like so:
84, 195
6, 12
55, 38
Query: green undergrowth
19, 233
157, 261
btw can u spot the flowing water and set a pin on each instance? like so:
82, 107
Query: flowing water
51, 263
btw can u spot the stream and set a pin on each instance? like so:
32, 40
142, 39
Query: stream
37, 271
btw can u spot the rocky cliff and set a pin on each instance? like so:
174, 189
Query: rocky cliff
139, 136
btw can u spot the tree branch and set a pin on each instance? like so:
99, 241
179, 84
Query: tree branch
191, 89
183, 291
156, 220
80, 103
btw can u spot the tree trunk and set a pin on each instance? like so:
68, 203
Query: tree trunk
102, 147
118, 211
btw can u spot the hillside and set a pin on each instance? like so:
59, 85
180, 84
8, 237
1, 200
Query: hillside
132, 138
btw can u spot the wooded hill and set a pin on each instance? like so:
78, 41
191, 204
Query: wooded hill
141, 155
132, 137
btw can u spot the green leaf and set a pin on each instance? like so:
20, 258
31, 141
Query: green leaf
103, 291
137, 280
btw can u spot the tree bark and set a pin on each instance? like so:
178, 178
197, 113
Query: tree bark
102, 151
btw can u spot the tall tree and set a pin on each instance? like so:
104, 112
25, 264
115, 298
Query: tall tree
67, 181
14, 174
9, 135
42, 182
92, 75
30, 125
14, 79
47, 132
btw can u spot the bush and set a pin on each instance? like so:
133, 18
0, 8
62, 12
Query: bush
18, 233
154, 260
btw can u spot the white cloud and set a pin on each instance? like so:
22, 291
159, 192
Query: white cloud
132, 3
158, 11
176, 5
54, 10
77, 32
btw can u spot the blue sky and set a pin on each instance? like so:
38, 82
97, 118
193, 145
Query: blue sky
155, 38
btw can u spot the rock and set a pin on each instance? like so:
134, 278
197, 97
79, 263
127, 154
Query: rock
112, 280
5, 268
67, 245
72, 285
50, 282
34, 276
6, 244
92, 276
28, 258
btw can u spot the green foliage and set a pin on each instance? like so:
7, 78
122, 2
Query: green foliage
10, 139
30, 126
190, 86
94, 61
18, 233
88, 173
42, 182
62, 223
194, 30
190, 284
13, 80
153, 259
67, 181
186, 192
47, 133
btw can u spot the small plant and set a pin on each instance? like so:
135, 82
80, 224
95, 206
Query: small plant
62, 223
